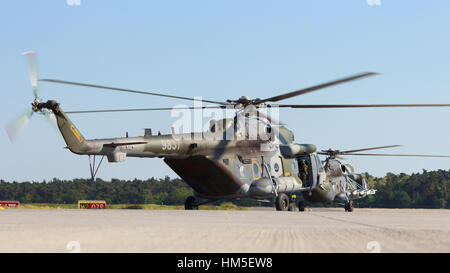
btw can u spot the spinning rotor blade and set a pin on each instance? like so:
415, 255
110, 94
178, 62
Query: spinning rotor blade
316, 87
368, 149
14, 127
350, 152
411, 155
336, 153
127, 90
141, 109
17, 125
359, 105
32, 71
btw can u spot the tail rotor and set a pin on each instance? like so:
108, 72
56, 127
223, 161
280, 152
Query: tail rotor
16, 126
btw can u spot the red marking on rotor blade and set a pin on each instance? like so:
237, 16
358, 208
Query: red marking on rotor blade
9, 133
30, 53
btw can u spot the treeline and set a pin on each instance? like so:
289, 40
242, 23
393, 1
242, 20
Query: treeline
151, 191
429, 189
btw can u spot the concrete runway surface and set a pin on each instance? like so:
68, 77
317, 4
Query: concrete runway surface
322, 230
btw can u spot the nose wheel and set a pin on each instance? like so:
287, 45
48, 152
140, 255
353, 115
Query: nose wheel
349, 206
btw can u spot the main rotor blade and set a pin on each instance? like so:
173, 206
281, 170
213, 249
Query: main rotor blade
317, 87
127, 90
141, 109
368, 149
32, 71
350, 152
410, 155
358, 105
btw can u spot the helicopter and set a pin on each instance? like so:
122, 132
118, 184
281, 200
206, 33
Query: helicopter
251, 155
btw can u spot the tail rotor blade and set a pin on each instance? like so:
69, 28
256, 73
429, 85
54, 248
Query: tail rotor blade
17, 125
32, 71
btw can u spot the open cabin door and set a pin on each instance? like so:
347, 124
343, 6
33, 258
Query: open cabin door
308, 170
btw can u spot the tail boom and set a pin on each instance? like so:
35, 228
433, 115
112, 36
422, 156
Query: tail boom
75, 141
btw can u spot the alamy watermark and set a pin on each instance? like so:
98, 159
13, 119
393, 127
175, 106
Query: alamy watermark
73, 247
230, 122
73, 2
374, 247
373, 2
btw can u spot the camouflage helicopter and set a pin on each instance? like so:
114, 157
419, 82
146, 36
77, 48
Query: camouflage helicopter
235, 162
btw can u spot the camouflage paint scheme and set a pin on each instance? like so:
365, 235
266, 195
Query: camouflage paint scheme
260, 159
229, 169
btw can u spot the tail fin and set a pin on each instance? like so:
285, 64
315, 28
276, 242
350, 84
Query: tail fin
73, 138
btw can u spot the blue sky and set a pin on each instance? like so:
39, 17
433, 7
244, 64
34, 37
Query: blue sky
222, 50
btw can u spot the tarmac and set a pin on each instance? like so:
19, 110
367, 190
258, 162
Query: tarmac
219, 231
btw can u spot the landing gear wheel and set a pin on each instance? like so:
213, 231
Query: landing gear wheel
301, 206
190, 203
282, 202
349, 206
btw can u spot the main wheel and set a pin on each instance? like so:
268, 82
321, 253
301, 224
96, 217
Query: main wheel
301, 206
282, 202
190, 203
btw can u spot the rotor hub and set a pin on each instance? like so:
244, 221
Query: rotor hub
36, 105
246, 101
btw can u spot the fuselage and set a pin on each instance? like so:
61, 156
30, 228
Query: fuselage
226, 163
